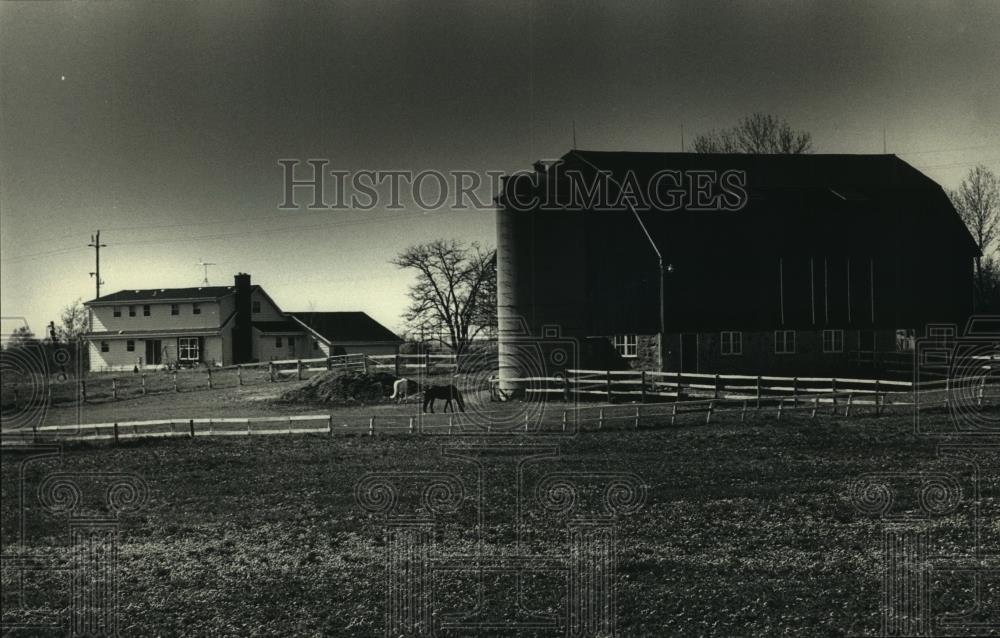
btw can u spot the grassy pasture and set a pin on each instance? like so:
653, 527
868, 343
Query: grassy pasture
747, 528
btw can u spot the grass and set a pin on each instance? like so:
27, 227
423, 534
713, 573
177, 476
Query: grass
746, 529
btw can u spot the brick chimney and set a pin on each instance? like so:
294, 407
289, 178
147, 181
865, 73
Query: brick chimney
243, 322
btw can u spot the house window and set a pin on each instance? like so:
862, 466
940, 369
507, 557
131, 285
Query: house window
130, 345
906, 339
175, 309
195, 309
117, 311
626, 345
131, 311
833, 341
187, 349
145, 310
732, 342
277, 342
784, 342
255, 306
105, 347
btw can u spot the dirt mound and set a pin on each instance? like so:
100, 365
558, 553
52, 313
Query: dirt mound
341, 387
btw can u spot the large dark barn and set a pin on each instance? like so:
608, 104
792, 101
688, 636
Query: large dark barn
782, 264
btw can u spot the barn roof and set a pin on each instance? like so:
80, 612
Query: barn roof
345, 326
812, 193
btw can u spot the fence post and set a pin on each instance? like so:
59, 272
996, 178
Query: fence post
114, 389
878, 408
116, 434
176, 387
371, 426
711, 407
815, 407
83, 390
781, 404
564, 421
451, 423
239, 374
982, 390
947, 391
638, 416
833, 386
411, 425
795, 391
191, 425
142, 378
642, 387
850, 402
743, 412
609, 384
673, 412
364, 362
270, 370
716, 389
298, 369
209, 377
329, 362
600, 419
566, 388
395, 364
758, 392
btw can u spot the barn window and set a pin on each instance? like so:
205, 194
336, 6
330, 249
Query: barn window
195, 309
626, 345
145, 310
732, 342
255, 306
105, 347
784, 342
187, 349
833, 341
906, 339
131, 311
117, 311
130, 345
175, 309
277, 342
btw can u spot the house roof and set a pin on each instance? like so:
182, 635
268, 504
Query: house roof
286, 325
346, 327
168, 332
207, 293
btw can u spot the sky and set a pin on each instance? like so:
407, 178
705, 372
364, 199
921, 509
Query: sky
162, 124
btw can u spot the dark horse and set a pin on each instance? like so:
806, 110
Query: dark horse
446, 392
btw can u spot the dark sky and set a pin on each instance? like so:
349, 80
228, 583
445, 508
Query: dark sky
161, 124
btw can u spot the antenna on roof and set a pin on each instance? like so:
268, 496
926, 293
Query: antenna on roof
205, 264
574, 135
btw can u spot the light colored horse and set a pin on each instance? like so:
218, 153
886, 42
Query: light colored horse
402, 389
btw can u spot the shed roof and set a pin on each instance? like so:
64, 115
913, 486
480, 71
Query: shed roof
346, 326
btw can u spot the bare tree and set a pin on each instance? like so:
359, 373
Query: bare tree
755, 133
455, 291
977, 201
75, 322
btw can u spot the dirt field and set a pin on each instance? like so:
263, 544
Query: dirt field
746, 529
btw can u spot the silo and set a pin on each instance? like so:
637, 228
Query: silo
514, 293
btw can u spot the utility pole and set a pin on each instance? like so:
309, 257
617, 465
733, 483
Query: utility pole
95, 243
205, 264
